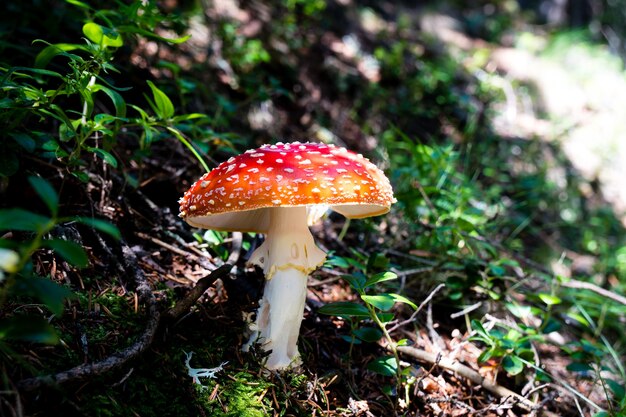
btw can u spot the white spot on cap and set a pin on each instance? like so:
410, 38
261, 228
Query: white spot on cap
204, 184
289, 170
305, 162
276, 202
315, 190
242, 165
260, 161
280, 161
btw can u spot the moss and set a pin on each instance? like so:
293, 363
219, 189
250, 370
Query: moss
240, 395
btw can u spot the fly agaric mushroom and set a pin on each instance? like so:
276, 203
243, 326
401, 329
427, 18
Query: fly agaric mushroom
277, 190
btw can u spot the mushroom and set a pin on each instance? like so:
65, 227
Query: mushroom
278, 190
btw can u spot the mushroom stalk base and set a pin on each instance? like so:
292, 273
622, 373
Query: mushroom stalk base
287, 257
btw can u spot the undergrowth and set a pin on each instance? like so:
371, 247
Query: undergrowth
99, 125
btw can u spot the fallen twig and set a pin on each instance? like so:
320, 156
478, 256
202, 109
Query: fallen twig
196, 292
581, 285
118, 358
571, 283
416, 312
473, 376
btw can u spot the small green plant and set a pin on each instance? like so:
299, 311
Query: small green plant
82, 72
17, 273
376, 309
511, 348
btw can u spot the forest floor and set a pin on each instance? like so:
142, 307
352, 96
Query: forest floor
126, 336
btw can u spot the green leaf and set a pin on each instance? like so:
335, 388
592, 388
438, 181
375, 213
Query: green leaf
351, 339
520, 311
24, 141
139, 31
382, 302
380, 277
58, 114
384, 365
403, 342
338, 261
497, 270
480, 330
106, 156
28, 328
101, 225
402, 299
164, 106
93, 32
455, 295
190, 116
356, 281
385, 317
37, 71
579, 367
549, 299
49, 52
617, 388
485, 355
344, 309
377, 261
85, 93
71, 251
102, 36
45, 290
24, 220
116, 98
188, 144
80, 4
368, 334
512, 364
46, 192
385, 302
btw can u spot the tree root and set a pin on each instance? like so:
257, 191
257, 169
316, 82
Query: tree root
120, 358
468, 373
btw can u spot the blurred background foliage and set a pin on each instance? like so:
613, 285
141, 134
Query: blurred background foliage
505, 194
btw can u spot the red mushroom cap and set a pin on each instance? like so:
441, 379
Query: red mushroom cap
235, 195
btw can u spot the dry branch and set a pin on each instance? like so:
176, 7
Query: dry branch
122, 357
118, 358
581, 285
196, 292
473, 376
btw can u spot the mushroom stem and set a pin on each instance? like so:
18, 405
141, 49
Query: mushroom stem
287, 257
